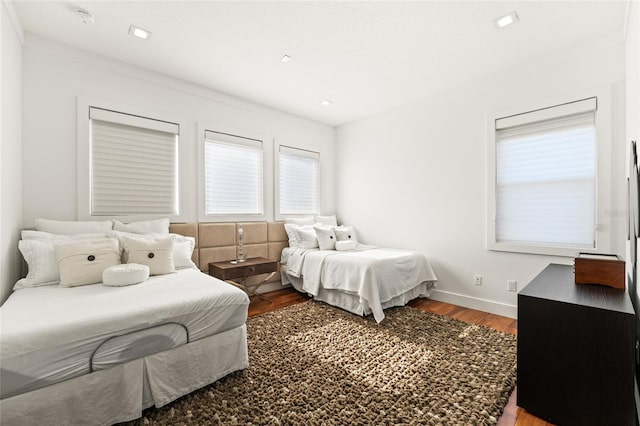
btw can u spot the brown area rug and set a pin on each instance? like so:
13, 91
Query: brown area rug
314, 364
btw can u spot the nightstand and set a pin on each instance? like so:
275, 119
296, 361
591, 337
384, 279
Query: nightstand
237, 273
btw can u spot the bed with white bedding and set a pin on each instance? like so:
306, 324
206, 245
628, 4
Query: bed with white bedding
75, 329
362, 281
122, 348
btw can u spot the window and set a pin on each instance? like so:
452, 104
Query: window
543, 185
133, 165
233, 169
298, 181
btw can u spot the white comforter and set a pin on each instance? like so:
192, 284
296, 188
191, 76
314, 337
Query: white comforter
376, 275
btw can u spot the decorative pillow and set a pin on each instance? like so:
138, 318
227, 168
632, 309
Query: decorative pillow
300, 220
182, 251
346, 233
326, 237
158, 226
73, 227
121, 275
156, 253
82, 263
327, 220
41, 262
306, 238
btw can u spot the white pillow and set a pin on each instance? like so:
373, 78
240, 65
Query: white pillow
326, 237
156, 253
29, 234
327, 220
307, 238
121, 275
158, 226
73, 227
290, 229
182, 250
38, 250
300, 220
40, 256
83, 262
292, 233
344, 233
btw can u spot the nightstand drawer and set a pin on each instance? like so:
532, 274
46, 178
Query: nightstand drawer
231, 271
248, 270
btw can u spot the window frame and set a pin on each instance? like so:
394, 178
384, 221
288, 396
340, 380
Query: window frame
266, 172
276, 180
603, 192
83, 186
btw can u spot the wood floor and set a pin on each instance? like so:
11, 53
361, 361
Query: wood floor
512, 415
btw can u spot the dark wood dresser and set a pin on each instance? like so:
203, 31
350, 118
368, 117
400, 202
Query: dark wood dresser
575, 351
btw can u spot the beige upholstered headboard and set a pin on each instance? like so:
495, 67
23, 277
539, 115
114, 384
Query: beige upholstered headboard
217, 242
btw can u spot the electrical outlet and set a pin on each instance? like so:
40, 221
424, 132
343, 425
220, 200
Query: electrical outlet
513, 285
477, 279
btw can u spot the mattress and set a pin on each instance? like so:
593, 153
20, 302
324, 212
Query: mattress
51, 334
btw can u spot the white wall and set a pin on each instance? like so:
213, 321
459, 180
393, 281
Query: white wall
10, 149
55, 75
633, 74
632, 83
415, 176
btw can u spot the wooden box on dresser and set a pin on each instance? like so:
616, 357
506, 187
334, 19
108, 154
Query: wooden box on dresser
575, 351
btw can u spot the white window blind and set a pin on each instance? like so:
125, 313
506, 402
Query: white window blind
134, 164
233, 175
299, 181
546, 177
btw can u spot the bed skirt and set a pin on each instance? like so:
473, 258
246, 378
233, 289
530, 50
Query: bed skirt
352, 302
120, 393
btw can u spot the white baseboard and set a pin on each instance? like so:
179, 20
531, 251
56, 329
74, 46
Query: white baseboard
484, 305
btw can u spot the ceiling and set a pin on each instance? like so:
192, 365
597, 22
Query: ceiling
364, 56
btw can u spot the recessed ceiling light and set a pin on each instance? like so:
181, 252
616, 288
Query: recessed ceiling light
325, 102
139, 32
285, 58
85, 16
506, 20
